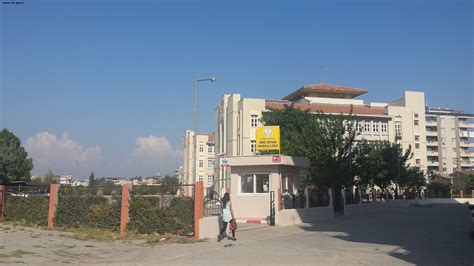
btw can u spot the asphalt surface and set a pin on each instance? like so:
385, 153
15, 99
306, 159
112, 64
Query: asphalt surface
437, 235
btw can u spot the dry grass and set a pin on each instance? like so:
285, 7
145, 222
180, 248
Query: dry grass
107, 235
15, 254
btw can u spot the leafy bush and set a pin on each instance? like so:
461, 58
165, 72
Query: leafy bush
28, 211
89, 211
146, 215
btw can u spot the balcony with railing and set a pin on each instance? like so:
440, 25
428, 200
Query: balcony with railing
464, 134
465, 124
466, 144
432, 163
431, 121
432, 152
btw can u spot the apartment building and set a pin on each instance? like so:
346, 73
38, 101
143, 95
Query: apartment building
406, 121
449, 140
205, 157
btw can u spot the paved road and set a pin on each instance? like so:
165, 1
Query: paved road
395, 236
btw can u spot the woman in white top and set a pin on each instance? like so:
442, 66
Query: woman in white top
227, 217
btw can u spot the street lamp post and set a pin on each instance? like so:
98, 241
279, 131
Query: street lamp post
213, 79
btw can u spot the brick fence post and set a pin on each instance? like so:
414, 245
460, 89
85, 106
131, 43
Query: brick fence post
53, 203
124, 218
198, 206
2, 200
461, 194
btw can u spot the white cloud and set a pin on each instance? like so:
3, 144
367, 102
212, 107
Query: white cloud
62, 155
154, 155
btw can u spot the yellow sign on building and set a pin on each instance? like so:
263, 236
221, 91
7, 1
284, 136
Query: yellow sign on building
268, 138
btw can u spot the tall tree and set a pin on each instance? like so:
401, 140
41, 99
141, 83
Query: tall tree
49, 178
92, 180
14, 164
169, 184
327, 140
396, 161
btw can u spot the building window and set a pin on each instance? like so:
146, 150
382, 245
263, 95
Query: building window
398, 128
201, 147
367, 126
253, 120
253, 145
375, 127
255, 183
442, 119
209, 179
417, 138
417, 145
416, 122
210, 163
418, 161
201, 163
444, 169
359, 126
443, 140
201, 178
384, 127
210, 149
416, 115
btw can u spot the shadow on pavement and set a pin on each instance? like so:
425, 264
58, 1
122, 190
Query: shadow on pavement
431, 235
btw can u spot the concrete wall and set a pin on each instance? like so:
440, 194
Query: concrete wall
209, 227
297, 216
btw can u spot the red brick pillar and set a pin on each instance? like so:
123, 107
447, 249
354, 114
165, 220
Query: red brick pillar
198, 206
53, 203
124, 208
462, 194
2, 200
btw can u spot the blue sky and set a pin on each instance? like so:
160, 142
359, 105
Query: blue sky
107, 85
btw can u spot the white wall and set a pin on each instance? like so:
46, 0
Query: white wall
297, 216
209, 227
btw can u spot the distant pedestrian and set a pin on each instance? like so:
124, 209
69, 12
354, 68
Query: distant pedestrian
227, 217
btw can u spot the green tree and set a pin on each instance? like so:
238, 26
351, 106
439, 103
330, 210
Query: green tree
92, 180
438, 187
327, 140
370, 165
396, 164
49, 178
170, 184
415, 182
14, 164
469, 182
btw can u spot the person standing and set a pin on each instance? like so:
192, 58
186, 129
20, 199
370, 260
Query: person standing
227, 217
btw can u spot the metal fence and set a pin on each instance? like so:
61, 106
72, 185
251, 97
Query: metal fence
319, 197
293, 201
212, 203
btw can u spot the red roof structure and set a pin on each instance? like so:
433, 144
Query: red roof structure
319, 89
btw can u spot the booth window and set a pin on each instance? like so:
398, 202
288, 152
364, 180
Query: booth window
255, 183
263, 183
246, 183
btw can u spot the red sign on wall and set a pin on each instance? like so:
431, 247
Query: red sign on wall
276, 158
